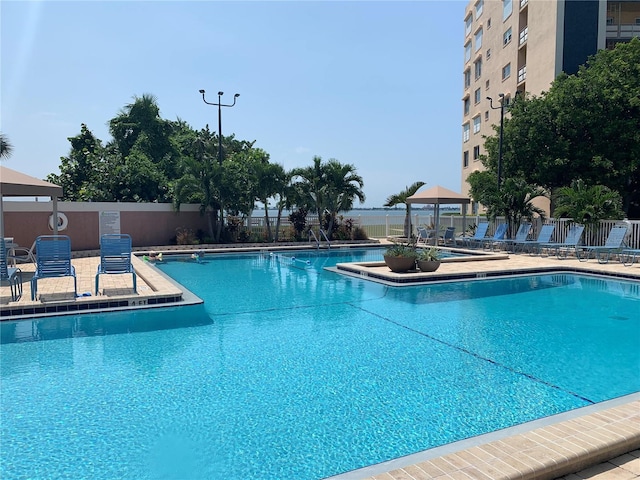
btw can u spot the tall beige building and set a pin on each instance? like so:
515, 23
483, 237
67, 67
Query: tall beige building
522, 45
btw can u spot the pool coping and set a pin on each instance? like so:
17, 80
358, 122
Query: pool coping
546, 448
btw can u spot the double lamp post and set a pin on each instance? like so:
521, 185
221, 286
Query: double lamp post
220, 105
503, 106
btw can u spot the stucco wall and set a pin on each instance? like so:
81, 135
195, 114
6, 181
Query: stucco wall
148, 224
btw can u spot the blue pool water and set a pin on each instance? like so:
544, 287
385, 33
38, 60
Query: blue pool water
300, 373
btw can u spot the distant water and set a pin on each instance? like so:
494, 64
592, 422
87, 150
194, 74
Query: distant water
375, 216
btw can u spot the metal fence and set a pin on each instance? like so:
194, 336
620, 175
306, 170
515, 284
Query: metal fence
390, 226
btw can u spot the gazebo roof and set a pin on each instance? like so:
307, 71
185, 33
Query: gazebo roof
16, 184
438, 195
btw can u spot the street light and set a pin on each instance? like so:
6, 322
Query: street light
502, 108
220, 105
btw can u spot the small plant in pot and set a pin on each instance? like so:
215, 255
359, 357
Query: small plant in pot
401, 257
428, 259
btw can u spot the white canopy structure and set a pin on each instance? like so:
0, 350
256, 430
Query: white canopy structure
16, 184
437, 196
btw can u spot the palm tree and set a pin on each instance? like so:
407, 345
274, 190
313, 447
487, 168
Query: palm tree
515, 202
588, 205
6, 149
329, 188
199, 181
401, 197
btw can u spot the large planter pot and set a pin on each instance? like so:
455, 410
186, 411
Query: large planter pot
428, 265
400, 264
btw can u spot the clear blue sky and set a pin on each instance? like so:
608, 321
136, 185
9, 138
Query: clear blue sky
373, 83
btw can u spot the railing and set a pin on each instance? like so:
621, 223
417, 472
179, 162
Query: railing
624, 30
388, 226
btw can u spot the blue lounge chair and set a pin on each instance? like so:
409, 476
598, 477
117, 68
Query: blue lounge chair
561, 249
53, 259
628, 256
115, 257
9, 274
546, 232
614, 244
499, 234
521, 236
480, 233
448, 236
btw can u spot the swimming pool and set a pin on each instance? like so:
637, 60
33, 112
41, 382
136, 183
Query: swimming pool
302, 373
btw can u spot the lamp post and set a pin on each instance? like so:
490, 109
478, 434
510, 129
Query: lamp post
220, 105
502, 108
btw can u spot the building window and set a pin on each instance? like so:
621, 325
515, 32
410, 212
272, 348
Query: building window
488, 53
476, 152
465, 132
507, 9
488, 23
478, 40
465, 159
477, 121
477, 66
467, 105
467, 52
467, 25
506, 71
486, 116
476, 96
506, 37
609, 20
467, 78
637, 21
486, 85
479, 5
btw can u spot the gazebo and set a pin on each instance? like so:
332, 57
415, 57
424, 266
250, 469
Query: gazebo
437, 196
16, 184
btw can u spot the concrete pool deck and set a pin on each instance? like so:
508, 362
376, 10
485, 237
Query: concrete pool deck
603, 439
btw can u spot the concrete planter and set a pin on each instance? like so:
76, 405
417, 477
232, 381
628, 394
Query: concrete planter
428, 265
400, 264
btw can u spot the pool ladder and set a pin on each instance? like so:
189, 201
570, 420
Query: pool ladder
321, 233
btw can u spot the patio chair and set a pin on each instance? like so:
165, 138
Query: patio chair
424, 235
614, 244
544, 236
628, 256
561, 249
23, 254
53, 259
480, 233
499, 234
115, 257
9, 274
521, 236
448, 236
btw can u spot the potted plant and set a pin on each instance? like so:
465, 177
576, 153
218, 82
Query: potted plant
401, 257
428, 259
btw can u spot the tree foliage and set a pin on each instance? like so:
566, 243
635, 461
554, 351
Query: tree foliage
588, 205
513, 201
401, 198
150, 159
587, 126
328, 188
6, 149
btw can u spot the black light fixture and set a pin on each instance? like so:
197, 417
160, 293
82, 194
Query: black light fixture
503, 106
220, 105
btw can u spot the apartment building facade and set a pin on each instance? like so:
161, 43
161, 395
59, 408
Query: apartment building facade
521, 46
